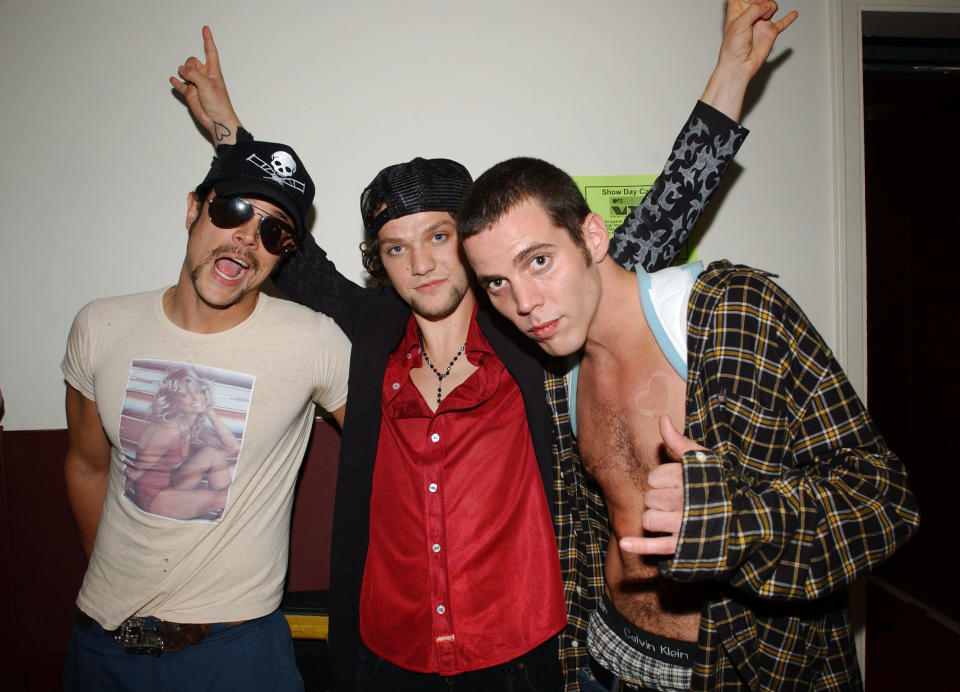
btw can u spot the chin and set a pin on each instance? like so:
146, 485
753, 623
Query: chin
554, 350
437, 309
560, 347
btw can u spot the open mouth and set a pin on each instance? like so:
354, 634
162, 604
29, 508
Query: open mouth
230, 268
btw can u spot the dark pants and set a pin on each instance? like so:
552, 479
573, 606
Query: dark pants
252, 657
536, 671
593, 678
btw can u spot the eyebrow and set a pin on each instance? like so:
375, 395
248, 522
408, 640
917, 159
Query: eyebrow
531, 251
426, 231
519, 259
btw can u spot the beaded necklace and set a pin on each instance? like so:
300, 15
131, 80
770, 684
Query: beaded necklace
436, 372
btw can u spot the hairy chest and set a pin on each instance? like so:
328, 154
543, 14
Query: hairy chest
618, 413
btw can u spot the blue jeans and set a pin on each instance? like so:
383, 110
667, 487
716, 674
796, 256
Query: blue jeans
535, 671
252, 657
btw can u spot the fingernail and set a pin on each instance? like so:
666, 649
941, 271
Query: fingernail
626, 544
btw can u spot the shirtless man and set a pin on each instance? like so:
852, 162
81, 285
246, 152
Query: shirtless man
779, 494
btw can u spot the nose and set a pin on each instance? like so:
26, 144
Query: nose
246, 234
421, 261
527, 296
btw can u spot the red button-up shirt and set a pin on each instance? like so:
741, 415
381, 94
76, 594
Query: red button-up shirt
462, 570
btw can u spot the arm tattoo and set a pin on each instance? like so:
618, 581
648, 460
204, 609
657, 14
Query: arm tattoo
220, 131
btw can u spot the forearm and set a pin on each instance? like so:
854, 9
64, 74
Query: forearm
801, 536
308, 277
227, 439
653, 234
86, 466
225, 132
725, 90
86, 490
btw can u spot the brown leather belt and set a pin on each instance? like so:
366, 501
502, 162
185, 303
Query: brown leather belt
149, 635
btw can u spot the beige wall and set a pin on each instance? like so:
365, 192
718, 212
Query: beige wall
99, 156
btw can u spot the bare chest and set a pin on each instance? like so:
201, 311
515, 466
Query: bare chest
618, 413
618, 421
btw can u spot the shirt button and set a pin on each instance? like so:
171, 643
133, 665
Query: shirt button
700, 456
409, 356
574, 644
433, 487
441, 609
436, 547
396, 385
435, 437
582, 591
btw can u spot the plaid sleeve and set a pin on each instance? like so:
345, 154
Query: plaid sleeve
800, 494
654, 232
580, 522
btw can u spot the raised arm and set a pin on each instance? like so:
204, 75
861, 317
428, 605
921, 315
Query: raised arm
652, 235
202, 86
307, 276
86, 466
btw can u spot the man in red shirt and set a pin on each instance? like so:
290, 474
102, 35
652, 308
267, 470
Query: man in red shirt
450, 505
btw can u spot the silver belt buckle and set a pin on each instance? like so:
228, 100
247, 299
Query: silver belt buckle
140, 636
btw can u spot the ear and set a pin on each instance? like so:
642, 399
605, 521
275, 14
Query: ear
595, 235
193, 208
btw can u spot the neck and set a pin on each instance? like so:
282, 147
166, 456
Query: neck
618, 323
445, 335
185, 308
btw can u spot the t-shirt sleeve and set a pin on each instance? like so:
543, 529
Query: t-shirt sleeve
332, 366
77, 364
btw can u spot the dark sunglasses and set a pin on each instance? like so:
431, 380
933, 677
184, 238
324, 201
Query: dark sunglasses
233, 212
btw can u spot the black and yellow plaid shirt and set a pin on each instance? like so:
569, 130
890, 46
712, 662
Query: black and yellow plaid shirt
580, 522
798, 496
651, 236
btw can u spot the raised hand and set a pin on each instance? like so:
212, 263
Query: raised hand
748, 37
749, 33
202, 86
663, 498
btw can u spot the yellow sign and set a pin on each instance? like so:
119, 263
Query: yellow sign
614, 196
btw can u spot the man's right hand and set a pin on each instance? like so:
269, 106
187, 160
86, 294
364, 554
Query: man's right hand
201, 85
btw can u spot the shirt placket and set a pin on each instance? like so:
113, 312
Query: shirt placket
437, 571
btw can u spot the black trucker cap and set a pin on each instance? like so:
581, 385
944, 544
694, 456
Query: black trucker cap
412, 187
266, 170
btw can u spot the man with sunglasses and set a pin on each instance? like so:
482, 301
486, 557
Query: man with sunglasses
465, 554
183, 593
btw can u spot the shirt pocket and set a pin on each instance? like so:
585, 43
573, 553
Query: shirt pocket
752, 437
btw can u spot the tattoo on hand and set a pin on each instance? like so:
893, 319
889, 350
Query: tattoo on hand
220, 131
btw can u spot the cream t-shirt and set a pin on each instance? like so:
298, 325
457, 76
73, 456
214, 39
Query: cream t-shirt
207, 432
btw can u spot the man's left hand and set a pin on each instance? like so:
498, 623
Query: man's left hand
664, 497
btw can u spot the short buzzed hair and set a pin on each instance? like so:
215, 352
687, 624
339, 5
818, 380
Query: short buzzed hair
514, 181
